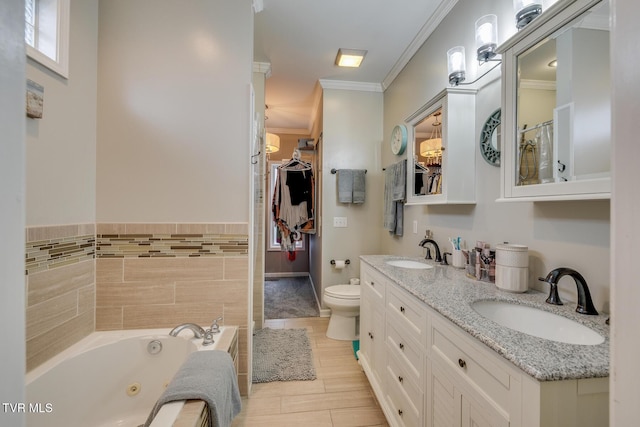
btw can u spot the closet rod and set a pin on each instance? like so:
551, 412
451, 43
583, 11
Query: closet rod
538, 126
334, 171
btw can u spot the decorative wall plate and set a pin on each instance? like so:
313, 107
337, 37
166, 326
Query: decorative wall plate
490, 139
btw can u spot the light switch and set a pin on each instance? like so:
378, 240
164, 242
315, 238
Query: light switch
340, 221
415, 227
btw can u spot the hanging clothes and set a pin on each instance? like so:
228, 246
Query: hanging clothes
293, 202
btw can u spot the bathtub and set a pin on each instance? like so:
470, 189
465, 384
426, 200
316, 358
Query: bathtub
111, 378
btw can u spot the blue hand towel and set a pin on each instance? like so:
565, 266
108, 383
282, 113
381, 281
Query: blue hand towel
207, 375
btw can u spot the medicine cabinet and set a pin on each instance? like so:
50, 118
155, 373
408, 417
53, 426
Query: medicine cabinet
556, 105
441, 152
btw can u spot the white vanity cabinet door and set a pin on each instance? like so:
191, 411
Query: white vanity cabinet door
485, 390
372, 349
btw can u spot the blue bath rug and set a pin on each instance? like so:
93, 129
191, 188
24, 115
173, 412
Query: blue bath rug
356, 347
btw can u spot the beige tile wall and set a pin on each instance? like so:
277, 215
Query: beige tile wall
60, 287
161, 275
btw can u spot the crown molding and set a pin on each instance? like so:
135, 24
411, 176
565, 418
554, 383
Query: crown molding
427, 29
288, 131
347, 85
262, 67
258, 6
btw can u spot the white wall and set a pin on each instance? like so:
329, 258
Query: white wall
173, 108
61, 147
572, 234
12, 171
625, 373
352, 135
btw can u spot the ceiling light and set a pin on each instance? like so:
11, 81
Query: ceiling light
432, 148
553, 64
350, 57
273, 143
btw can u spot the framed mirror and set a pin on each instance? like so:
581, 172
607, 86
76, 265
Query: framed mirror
557, 127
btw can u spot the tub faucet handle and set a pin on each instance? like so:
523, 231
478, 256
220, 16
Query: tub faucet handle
215, 328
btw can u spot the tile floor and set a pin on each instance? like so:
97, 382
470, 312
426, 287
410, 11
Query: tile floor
339, 397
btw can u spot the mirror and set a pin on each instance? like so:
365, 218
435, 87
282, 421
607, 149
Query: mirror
428, 154
563, 103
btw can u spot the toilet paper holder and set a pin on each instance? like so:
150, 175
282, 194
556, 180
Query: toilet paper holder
346, 261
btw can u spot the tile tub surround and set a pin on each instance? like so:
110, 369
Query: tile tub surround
448, 291
60, 288
161, 275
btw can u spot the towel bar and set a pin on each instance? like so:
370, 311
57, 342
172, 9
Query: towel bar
334, 171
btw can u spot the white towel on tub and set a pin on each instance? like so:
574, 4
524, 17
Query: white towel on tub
210, 376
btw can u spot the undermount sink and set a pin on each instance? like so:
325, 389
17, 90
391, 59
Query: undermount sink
407, 263
538, 323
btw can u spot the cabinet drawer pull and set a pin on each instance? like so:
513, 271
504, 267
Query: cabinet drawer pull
401, 346
400, 412
370, 335
400, 378
462, 363
401, 309
373, 283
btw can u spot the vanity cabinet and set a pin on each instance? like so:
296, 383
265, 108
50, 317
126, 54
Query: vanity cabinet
556, 119
478, 389
442, 150
372, 352
428, 372
405, 337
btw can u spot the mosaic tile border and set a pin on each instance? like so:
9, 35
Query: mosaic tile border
184, 245
47, 254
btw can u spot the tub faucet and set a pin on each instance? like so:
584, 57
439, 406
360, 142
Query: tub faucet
209, 333
435, 246
585, 305
198, 332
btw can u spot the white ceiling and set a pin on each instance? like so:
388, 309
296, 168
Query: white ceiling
300, 40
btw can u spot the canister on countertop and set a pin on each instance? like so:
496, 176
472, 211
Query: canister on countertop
512, 267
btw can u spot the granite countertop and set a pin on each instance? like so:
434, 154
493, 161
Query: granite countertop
450, 292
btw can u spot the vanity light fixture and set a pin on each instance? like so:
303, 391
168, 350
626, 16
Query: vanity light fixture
486, 37
273, 143
350, 57
526, 11
486, 44
456, 64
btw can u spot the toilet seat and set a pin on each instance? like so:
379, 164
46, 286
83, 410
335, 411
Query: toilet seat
345, 292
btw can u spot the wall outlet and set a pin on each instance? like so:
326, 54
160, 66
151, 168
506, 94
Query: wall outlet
339, 221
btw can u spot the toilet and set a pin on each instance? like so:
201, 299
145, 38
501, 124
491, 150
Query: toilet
344, 302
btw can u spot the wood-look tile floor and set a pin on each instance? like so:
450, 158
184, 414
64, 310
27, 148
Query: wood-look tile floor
340, 396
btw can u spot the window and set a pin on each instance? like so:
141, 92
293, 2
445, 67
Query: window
274, 244
47, 33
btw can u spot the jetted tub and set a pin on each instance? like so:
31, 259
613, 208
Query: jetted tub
111, 378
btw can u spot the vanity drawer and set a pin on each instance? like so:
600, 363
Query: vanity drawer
410, 313
406, 349
403, 376
404, 412
478, 370
374, 283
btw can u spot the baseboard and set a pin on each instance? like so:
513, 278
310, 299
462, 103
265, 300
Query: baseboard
315, 294
285, 274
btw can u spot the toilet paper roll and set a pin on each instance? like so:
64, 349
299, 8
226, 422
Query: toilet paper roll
339, 264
